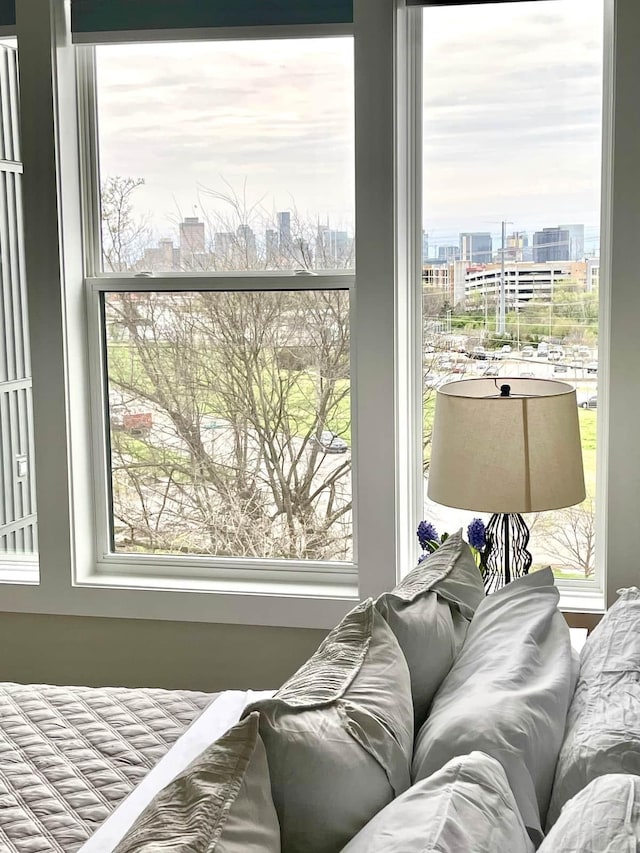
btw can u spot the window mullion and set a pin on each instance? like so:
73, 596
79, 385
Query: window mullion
409, 427
375, 345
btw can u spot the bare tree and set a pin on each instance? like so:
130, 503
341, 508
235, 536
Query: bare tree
123, 235
226, 396
572, 532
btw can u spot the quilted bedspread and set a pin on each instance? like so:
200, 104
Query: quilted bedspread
69, 755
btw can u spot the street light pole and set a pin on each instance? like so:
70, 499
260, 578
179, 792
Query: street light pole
502, 307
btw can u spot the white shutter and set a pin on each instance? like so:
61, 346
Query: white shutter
17, 486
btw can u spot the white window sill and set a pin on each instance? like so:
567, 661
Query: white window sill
581, 600
273, 604
297, 603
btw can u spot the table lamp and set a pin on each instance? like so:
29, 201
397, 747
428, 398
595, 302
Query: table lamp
506, 446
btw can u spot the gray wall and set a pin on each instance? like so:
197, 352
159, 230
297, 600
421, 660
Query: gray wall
145, 653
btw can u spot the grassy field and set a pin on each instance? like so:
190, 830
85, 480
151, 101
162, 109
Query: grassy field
300, 400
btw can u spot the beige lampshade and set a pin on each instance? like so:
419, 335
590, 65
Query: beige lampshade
520, 453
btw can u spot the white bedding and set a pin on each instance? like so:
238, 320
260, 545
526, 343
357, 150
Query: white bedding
210, 725
70, 755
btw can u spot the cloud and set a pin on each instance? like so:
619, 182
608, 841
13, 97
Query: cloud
512, 101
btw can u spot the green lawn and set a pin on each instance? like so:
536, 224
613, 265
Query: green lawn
301, 402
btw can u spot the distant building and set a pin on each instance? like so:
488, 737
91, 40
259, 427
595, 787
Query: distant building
449, 254
526, 281
246, 250
165, 257
551, 244
576, 241
436, 277
192, 236
516, 247
333, 249
476, 247
284, 229
425, 247
224, 248
271, 245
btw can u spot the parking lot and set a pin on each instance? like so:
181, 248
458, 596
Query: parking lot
443, 367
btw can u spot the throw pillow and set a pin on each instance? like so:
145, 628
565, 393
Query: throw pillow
429, 612
465, 806
603, 724
220, 804
602, 818
339, 735
507, 694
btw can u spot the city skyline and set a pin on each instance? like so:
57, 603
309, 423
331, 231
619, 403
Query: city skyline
512, 106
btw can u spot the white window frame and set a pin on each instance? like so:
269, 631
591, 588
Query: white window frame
162, 571
576, 595
64, 332
59, 335
158, 567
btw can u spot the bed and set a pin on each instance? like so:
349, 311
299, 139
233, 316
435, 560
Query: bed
434, 716
70, 755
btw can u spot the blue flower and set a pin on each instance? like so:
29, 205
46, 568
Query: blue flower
426, 535
476, 534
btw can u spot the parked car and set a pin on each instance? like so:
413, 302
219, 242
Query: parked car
492, 370
527, 352
560, 368
329, 442
479, 352
590, 402
592, 367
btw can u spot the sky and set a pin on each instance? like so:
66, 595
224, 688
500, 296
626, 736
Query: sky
271, 121
512, 122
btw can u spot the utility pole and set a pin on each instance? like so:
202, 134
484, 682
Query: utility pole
502, 304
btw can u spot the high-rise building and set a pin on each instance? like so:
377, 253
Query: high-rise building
476, 247
517, 243
333, 248
449, 254
576, 241
425, 247
246, 246
284, 228
550, 244
224, 248
271, 245
192, 235
161, 258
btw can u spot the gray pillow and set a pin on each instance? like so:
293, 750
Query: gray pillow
466, 807
339, 735
603, 725
221, 802
603, 818
429, 612
507, 694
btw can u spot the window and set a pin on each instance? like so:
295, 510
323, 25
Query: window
229, 423
226, 403
226, 156
512, 130
89, 563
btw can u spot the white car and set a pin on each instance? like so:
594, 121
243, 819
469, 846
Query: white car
329, 442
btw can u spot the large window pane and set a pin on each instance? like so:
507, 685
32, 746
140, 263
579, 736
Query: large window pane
229, 419
512, 163
226, 155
